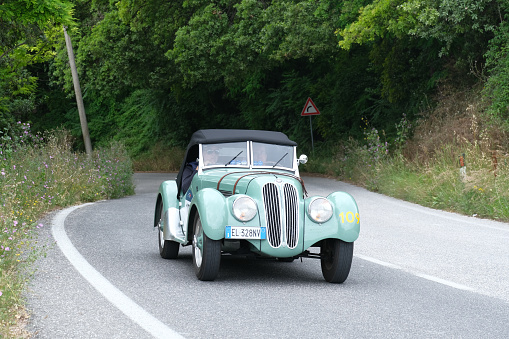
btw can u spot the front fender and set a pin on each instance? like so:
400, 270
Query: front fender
170, 222
213, 210
167, 194
344, 223
346, 215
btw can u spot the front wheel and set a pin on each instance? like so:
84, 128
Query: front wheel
206, 253
336, 259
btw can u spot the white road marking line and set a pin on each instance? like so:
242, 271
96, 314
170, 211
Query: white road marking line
127, 306
418, 274
443, 281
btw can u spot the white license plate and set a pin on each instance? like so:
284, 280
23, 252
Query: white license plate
241, 232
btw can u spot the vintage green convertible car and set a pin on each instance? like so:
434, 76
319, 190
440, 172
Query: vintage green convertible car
239, 192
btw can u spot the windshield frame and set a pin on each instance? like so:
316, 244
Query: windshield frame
233, 158
279, 161
285, 155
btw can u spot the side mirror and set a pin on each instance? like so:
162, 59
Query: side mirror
302, 159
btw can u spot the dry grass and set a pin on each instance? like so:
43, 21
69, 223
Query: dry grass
160, 159
458, 126
458, 120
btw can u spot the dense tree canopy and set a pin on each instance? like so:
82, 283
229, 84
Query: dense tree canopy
156, 70
28, 31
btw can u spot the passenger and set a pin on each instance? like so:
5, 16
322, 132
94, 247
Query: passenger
259, 155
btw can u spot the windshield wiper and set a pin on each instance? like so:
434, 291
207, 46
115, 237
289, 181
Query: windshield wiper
280, 160
235, 157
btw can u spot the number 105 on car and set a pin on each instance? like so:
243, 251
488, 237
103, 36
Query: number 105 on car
240, 232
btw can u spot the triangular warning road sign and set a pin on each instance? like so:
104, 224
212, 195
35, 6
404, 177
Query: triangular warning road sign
310, 108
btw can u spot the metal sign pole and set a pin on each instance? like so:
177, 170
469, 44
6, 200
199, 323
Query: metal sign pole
310, 109
312, 144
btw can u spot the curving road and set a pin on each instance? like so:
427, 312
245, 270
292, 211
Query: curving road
417, 273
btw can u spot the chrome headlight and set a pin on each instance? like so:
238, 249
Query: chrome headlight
244, 208
320, 210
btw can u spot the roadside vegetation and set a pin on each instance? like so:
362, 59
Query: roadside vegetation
39, 174
422, 165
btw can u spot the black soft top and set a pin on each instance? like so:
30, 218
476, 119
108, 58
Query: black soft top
216, 136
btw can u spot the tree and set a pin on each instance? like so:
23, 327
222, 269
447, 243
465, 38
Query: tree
28, 34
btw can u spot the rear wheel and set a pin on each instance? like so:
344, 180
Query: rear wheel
206, 253
167, 249
336, 259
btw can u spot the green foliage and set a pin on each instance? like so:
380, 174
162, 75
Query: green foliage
497, 88
15, 137
231, 41
244, 64
373, 155
137, 121
214, 44
28, 32
373, 22
407, 37
443, 20
403, 131
155, 71
39, 13
375, 149
497, 62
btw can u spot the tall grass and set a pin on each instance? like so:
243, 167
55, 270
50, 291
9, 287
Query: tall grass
37, 175
482, 192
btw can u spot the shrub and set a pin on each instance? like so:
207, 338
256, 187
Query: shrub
38, 175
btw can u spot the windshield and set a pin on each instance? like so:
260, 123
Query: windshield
247, 154
272, 156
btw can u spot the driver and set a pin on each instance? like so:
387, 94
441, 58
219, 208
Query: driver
210, 155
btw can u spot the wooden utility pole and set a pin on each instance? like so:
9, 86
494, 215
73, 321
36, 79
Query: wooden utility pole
79, 98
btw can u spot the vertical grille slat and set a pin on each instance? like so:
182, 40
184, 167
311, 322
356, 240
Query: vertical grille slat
291, 212
272, 213
274, 208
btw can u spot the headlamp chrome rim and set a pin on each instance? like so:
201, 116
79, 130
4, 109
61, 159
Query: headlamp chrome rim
244, 208
320, 210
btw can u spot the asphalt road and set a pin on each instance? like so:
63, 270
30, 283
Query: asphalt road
416, 273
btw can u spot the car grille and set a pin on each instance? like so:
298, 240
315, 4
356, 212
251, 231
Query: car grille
282, 214
226, 193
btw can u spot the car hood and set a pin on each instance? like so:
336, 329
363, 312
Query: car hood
249, 182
